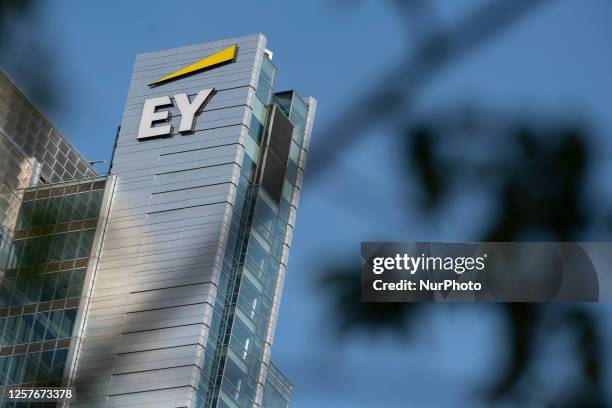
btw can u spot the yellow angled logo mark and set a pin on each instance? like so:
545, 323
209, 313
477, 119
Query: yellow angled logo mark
226, 55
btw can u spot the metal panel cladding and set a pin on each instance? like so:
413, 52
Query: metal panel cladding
157, 277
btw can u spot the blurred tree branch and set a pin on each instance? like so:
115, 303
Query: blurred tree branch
23, 53
391, 96
535, 176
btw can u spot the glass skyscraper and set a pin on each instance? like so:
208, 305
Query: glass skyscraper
158, 284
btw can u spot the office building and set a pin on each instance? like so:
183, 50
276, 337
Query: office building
158, 284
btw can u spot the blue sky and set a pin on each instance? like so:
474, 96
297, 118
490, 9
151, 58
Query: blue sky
556, 62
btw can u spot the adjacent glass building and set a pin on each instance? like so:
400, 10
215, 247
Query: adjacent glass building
158, 284
50, 200
44, 271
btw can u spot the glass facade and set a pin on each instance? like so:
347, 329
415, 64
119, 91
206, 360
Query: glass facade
27, 137
253, 258
45, 267
278, 391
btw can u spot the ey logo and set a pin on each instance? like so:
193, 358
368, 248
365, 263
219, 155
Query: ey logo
151, 115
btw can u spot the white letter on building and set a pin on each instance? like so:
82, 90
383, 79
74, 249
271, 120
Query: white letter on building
149, 115
189, 110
